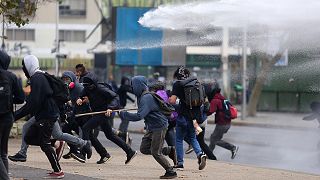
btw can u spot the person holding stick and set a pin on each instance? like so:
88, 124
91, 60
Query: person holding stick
101, 98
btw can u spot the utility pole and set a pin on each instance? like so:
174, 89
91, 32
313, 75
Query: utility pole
57, 39
225, 62
244, 75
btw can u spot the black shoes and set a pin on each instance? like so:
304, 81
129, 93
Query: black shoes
234, 152
18, 158
169, 175
178, 167
131, 156
202, 161
67, 156
79, 157
104, 159
87, 149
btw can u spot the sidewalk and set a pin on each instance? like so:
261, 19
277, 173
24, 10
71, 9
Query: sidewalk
142, 167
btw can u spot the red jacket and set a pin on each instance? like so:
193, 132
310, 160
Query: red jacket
216, 106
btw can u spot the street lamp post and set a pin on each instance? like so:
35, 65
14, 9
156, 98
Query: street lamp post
244, 75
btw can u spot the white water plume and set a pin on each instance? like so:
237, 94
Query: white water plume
295, 22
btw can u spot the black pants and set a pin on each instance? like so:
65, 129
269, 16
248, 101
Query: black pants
102, 121
39, 134
6, 122
80, 122
205, 148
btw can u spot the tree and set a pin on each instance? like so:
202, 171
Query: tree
267, 63
18, 12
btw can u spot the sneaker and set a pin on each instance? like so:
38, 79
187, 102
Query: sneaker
234, 152
202, 161
79, 157
54, 175
87, 149
60, 148
131, 156
67, 156
189, 150
169, 175
173, 155
18, 158
103, 160
178, 167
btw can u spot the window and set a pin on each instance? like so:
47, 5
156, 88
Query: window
72, 8
21, 34
72, 35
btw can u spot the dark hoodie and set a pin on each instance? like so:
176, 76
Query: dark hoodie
17, 92
40, 102
75, 93
148, 108
100, 96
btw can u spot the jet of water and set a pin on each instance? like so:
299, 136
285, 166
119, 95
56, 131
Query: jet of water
295, 22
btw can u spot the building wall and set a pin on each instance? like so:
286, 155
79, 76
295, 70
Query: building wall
44, 24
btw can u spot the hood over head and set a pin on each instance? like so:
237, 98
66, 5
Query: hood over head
139, 84
70, 75
4, 60
31, 64
90, 79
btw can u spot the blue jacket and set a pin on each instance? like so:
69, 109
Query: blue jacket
148, 109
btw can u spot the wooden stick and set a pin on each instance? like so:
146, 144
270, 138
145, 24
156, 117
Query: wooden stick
102, 112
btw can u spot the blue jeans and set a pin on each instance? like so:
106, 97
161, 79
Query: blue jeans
186, 130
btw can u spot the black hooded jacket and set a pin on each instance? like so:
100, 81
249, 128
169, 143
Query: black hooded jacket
17, 92
100, 97
40, 102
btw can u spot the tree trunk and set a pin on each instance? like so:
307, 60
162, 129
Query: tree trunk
261, 78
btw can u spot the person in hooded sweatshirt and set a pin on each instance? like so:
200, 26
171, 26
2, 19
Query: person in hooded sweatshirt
222, 124
156, 125
102, 98
57, 134
41, 104
11, 92
75, 122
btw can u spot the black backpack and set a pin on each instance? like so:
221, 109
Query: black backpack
194, 93
165, 108
61, 92
5, 94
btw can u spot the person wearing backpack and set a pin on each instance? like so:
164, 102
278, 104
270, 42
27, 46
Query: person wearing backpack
57, 133
11, 92
159, 88
42, 105
184, 122
223, 124
101, 98
156, 124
